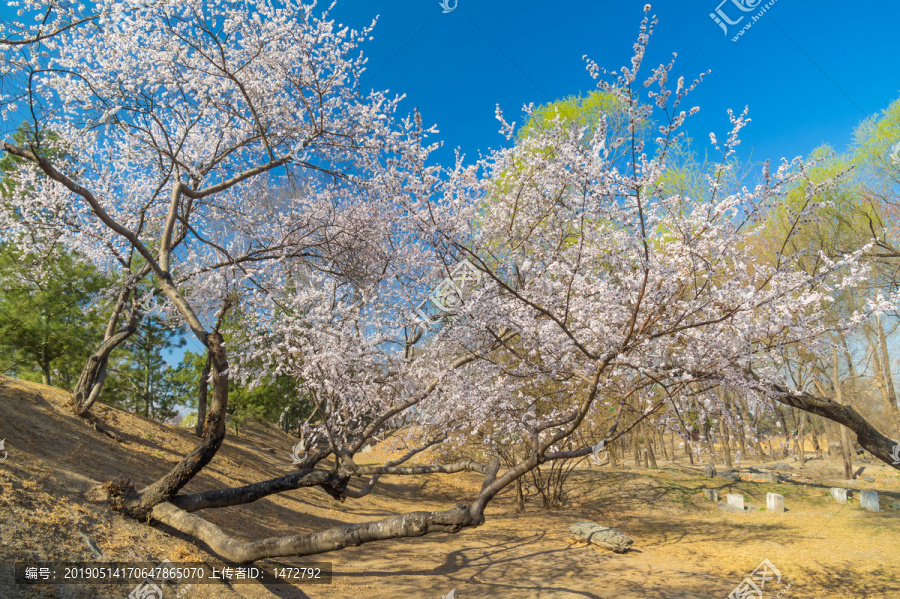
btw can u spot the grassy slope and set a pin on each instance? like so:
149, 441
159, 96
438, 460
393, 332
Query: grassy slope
684, 547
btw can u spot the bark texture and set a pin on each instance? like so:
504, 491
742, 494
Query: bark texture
414, 524
869, 438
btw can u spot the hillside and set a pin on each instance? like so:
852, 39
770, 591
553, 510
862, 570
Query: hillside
684, 547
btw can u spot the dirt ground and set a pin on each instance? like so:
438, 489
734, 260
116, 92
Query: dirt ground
684, 547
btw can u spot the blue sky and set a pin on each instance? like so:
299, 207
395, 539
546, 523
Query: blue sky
810, 71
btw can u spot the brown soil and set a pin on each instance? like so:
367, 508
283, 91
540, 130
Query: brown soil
683, 546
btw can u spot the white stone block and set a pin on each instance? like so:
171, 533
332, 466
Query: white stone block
735, 500
869, 500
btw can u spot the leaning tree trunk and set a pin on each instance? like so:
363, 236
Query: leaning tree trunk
139, 505
93, 374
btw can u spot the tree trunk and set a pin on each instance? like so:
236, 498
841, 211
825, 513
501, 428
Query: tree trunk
890, 393
799, 442
520, 496
44, 360
757, 444
741, 438
751, 421
201, 396
45, 368
869, 437
662, 445
786, 447
93, 374
414, 524
709, 444
139, 505
845, 454
726, 444
815, 438
650, 458
146, 383
845, 434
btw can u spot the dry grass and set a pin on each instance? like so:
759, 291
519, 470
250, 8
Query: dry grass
684, 547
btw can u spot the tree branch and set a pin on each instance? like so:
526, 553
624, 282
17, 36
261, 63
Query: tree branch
413, 524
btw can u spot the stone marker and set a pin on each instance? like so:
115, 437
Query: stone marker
895, 505
366, 449
868, 479
712, 495
710, 471
774, 502
839, 494
869, 500
735, 500
603, 536
729, 475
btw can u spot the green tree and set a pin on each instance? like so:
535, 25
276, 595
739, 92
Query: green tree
48, 313
276, 401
